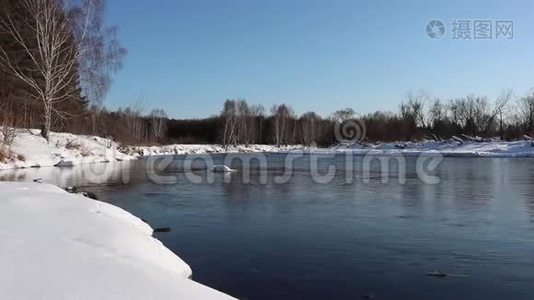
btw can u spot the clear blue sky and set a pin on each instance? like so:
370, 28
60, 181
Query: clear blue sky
189, 56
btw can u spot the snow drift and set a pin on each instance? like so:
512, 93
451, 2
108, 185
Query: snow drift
57, 245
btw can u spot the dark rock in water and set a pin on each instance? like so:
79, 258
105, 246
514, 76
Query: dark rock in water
90, 195
71, 189
162, 229
74, 190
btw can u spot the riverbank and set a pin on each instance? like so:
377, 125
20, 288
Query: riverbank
448, 148
57, 245
30, 150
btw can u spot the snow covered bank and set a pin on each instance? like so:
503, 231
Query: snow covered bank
451, 148
57, 245
65, 149
180, 149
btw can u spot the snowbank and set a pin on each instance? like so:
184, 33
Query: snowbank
179, 149
65, 149
57, 245
451, 148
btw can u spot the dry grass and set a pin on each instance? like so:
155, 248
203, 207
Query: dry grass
72, 145
85, 152
4, 155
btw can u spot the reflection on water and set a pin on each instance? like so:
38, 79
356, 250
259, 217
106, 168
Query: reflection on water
83, 176
340, 240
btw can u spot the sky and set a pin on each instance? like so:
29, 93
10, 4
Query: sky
187, 57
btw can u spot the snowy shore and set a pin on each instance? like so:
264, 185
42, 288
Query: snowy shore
30, 150
64, 149
57, 245
449, 148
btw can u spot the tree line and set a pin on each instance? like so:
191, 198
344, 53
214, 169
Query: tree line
419, 116
57, 59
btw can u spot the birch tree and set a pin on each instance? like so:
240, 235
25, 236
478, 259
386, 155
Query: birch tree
100, 54
65, 48
282, 115
157, 123
229, 114
52, 52
310, 126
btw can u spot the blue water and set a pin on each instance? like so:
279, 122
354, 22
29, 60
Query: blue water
343, 240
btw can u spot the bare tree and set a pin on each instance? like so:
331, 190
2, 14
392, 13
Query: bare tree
158, 118
309, 123
53, 54
230, 116
437, 112
100, 55
343, 114
416, 106
472, 113
244, 114
526, 112
497, 112
133, 121
282, 115
63, 48
258, 114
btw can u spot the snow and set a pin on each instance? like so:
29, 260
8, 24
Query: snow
451, 148
57, 245
179, 149
64, 149
67, 150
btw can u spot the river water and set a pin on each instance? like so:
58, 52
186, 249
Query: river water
370, 235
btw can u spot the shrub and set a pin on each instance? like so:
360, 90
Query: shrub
72, 144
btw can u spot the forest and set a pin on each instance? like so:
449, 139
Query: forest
57, 61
